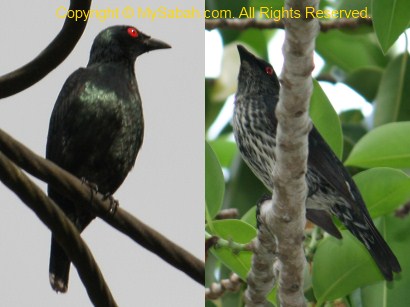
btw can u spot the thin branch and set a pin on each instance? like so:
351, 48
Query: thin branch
311, 246
55, 53
231, 213
243, 24
216, 290
80, 194
403, 211
209, 243
217, 242
327, 77
63, 230
285, 220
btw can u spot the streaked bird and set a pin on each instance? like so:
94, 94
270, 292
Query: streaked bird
331, 190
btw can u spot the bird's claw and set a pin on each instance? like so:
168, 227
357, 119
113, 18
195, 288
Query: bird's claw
93, 187
114, 204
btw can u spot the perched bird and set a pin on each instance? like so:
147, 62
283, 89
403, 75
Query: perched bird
331, 190
97, 126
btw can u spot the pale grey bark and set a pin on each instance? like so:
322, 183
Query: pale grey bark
285, 219
261, 278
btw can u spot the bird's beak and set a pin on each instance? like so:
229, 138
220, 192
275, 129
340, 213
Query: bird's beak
244, 54
153, 44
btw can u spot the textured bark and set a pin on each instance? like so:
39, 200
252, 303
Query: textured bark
285, 219
261, 278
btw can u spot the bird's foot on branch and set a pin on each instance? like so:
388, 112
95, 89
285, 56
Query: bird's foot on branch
93, 187
114, 204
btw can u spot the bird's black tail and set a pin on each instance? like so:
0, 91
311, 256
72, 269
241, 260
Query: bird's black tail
59, 267
376, 245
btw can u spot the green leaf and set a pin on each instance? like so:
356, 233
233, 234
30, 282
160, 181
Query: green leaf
212, 269
387, 145
390, 19
365, 81
349, 52
225, 150
239, 232
250, 216
261, 5
326, 119
393, 98
209, 304
214, 182
353, 129
243, 190
383, 189
349, 262
352, 116
352, 133
397, 294
353, 4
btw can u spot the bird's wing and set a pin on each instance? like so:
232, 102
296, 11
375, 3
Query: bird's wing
324, 163
59, 117
79, 114
323, 220
63, 116
75, 124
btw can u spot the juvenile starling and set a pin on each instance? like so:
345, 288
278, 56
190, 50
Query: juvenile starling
97, 126
331, 190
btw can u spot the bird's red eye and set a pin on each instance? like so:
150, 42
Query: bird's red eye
269, 70
132, 32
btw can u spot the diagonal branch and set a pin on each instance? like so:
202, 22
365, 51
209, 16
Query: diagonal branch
243, 24
129, 225
63, 230
55, 53
217, 290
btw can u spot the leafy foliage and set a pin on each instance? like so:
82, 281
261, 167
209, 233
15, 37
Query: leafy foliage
391, 18
376, 149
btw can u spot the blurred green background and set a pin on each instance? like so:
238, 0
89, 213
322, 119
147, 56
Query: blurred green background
363, 73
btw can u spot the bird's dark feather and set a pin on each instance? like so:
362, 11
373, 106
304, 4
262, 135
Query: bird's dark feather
97, 126
323, 220
326, 165
97, 135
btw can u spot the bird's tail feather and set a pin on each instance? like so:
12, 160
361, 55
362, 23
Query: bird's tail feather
377, 246
59, 267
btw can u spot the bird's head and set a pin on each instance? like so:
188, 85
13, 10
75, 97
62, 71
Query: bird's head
256, 76
122, 44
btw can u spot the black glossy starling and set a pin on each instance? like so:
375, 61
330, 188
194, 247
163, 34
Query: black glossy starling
97, 125
331, 190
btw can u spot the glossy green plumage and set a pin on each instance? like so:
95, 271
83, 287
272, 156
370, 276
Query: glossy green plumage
97, 126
